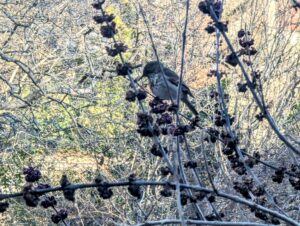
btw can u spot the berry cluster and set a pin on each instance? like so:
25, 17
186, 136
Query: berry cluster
124, 69
59, 216
144, 122
134, 190
116, 50
32, 174
104, 19
156, 151
131, 96
69, 194
104, 191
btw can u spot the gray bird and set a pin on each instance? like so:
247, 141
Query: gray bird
159, 88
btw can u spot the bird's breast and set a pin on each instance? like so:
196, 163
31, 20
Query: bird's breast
160, 89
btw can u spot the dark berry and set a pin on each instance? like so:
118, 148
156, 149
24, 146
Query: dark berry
69, 194
124, 69
190, 164
3, 206
211, 198
241, 33
30, 198
165, 171
108, 31
203, 7
183, 199
141, 94
210, 29
242, 88
104, 18
130, 96
48, 202
232, 59
166, 192
98, 5
32, 174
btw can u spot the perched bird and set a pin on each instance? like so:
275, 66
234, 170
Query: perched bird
166, 89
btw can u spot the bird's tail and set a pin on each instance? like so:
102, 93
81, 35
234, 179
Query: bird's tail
190, 106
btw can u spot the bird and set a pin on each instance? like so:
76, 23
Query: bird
166, 89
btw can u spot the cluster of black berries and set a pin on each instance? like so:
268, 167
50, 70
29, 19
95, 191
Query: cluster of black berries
185, 198
295, 181
247, 49
104, 19
124, 69
109, 29
246, 42
166, 191
212, 73
104, 191
262, 215
231, 153
3, 206
59, 216
200, 195
216, 6
260, 117
232, 59
242, 87
144, 122
131, 96
279, 175
165, 171
211, 27
222, 26
165, 118
156, 150
251, 162
213, 135
134, 190
244, 186
236, 164
32, 174
190, 164
215, 95
158, 106
98, 5
69, 194
182, 129
32, 195
31, 199
117, 49
220, 120
49, 201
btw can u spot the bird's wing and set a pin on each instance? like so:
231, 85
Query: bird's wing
174, 79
